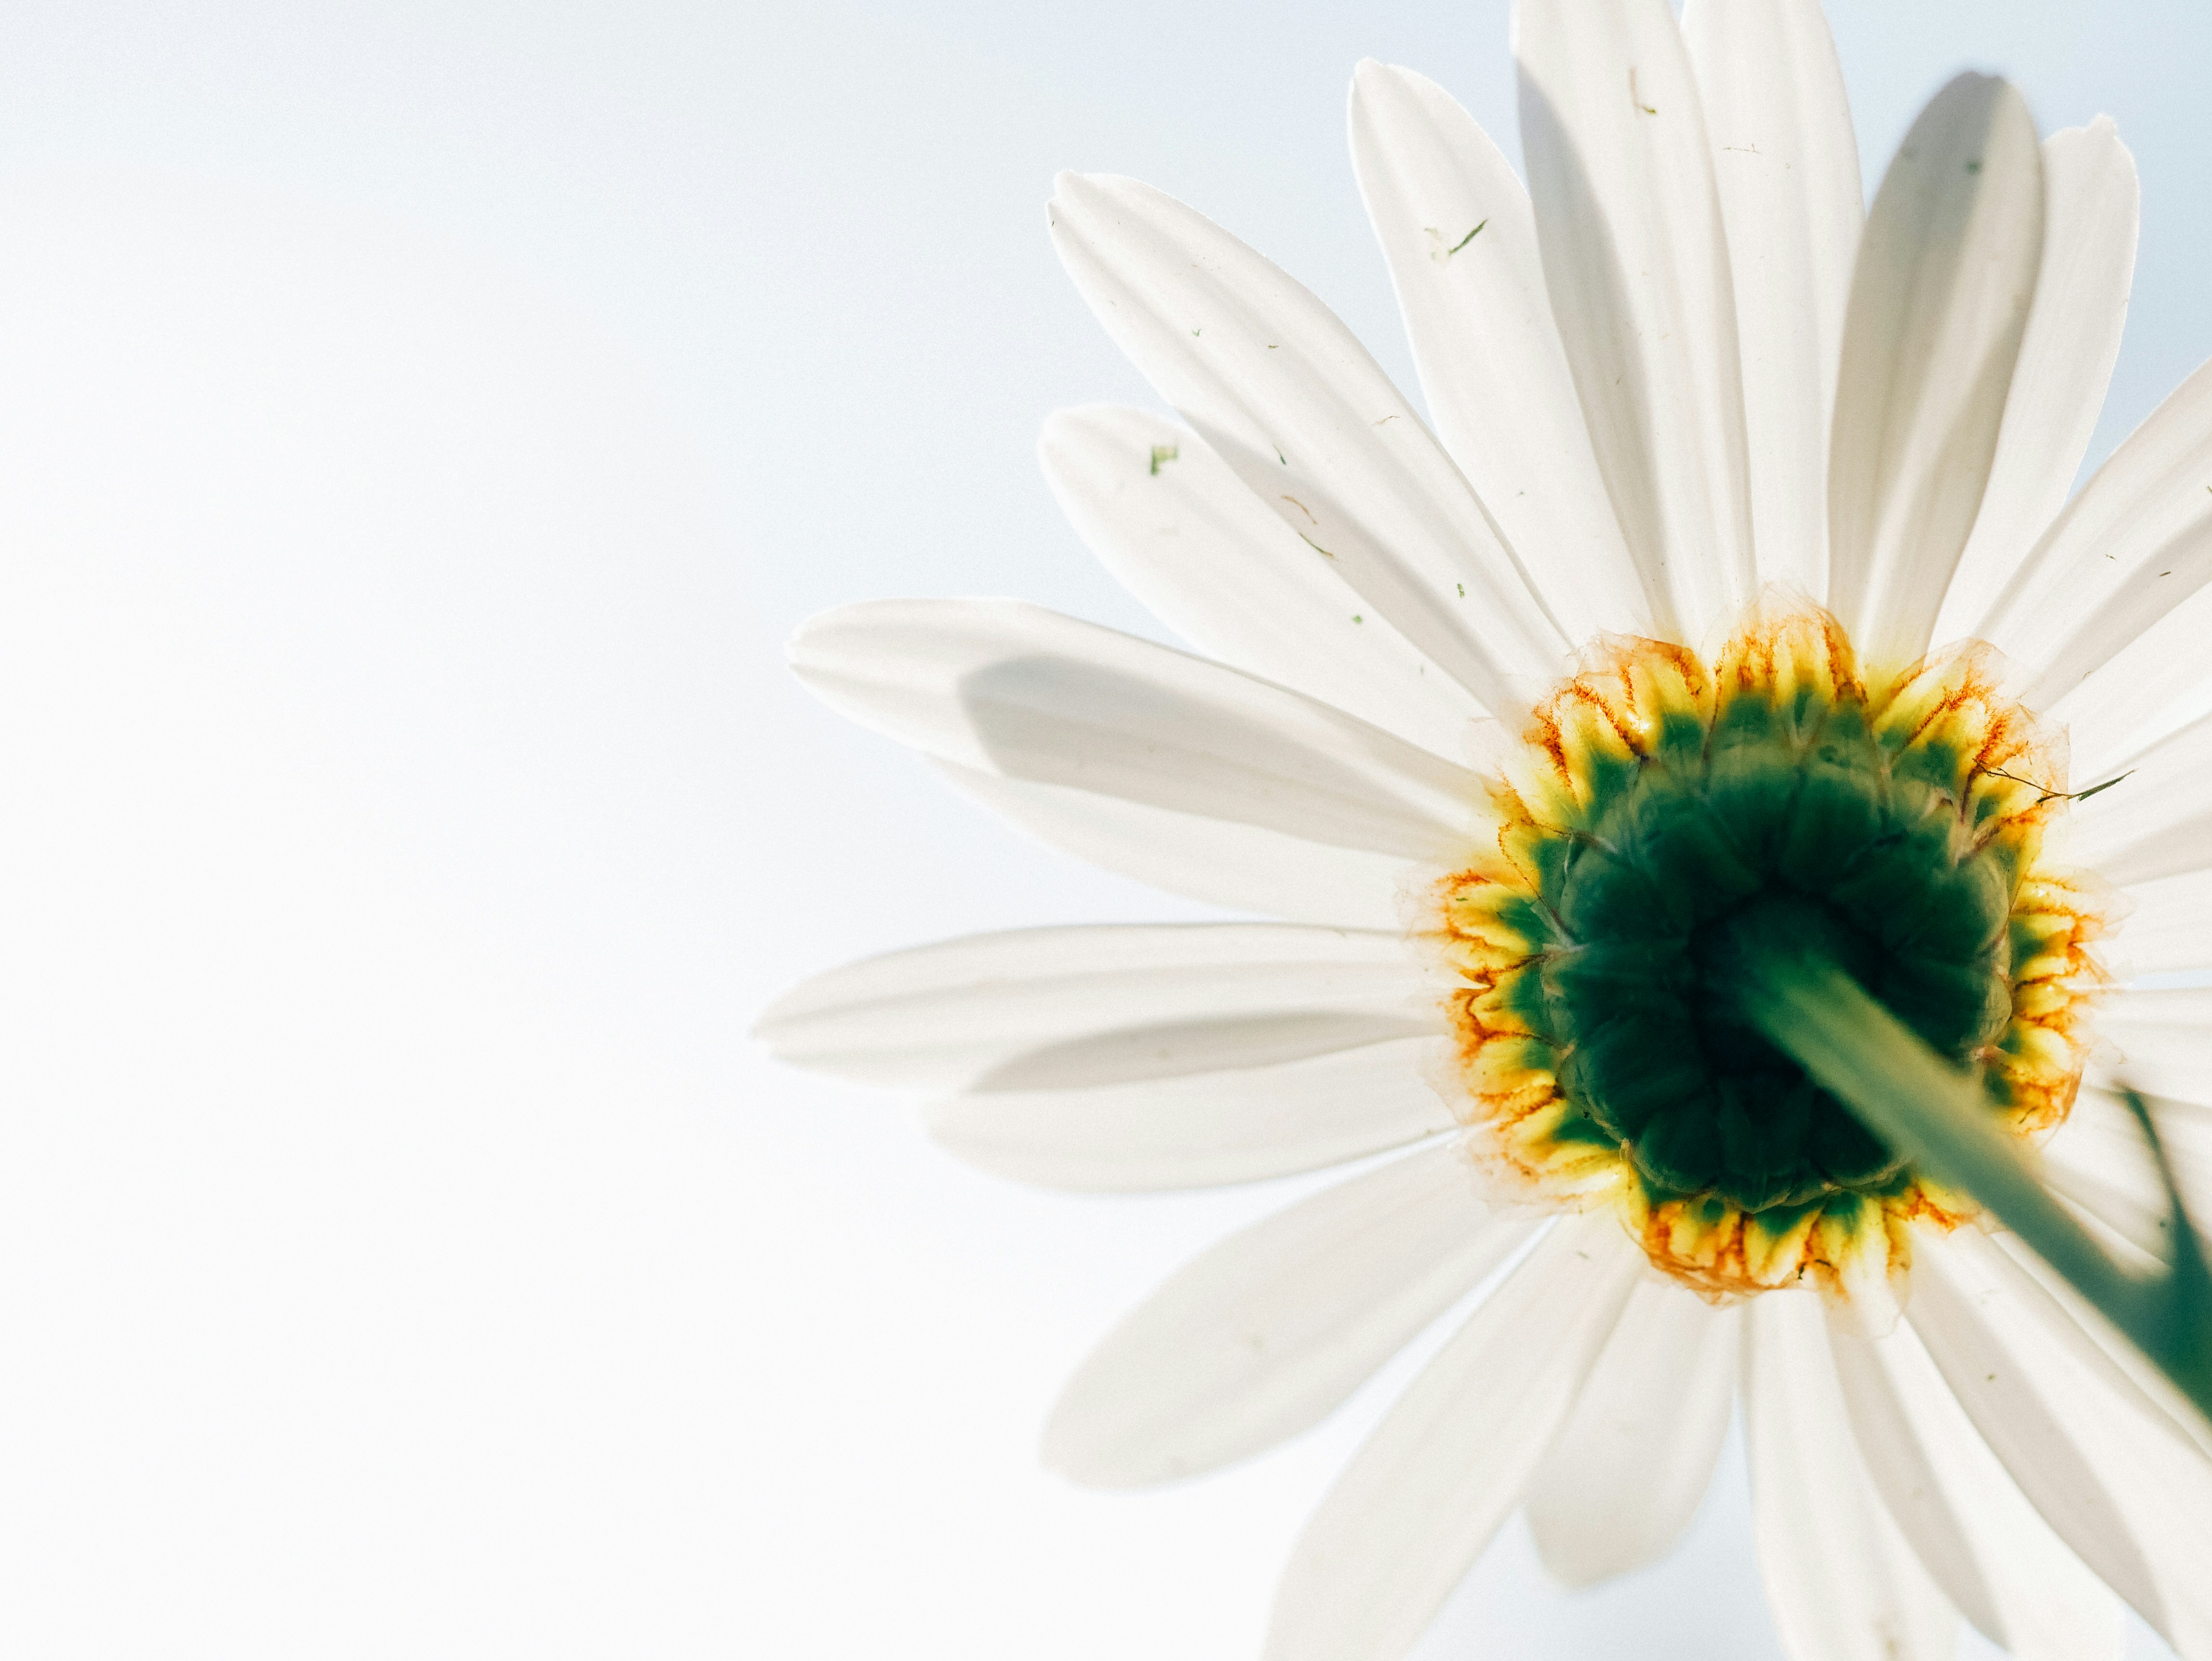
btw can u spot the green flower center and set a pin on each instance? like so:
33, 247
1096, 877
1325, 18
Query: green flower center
1782, 826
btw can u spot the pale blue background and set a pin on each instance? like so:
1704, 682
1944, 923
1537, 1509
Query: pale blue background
419, 425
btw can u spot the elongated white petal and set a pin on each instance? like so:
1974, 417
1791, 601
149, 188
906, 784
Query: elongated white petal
2162, 1042
2100, 1161
1013, 689
2135, 544
1992, 1265
1625, 1474
2157, 822
2091, 209
2132, 1231
1265, 1333
1899, 1467
1427, 1491
1843, 1584
1181, 532
2184, 1119
2100, 1135
1040, 1008
1637, 269
2164, 1037
2121, 1486
1455, 223
1244, 867
1946, 276
2183, 1006
1299, 410
1202, 1129
1969, 1523
2145, 691
2111, 1355
1787, 165
2168, 926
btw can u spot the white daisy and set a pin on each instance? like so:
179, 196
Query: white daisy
1735, 596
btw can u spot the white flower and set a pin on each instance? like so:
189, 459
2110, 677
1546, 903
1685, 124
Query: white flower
1628, 662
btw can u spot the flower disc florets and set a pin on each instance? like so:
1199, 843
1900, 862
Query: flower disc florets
1663, 827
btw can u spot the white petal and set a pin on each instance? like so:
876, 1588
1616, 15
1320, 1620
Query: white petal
2113, 1355
1455, 223
1946, 276
2135, 544
2090, 207
1036, 1008
2164, 1037
2172, 1005
2146, 689
1201, 1130
2183, 1122
1842, 1582
1299, 410
1973, 1529
1624, 1476
2101, 1129
2158, 823
1181, 532
1242, 866
2168, 926
1992, 1264
1426, 1493
1787, 165
2100, 1161
2118, 1484
1014, 688
1265, 1334
1637, 270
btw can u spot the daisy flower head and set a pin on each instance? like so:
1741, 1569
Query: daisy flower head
1731, 603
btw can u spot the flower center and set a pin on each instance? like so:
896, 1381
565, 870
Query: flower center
1660, 826
1810, 840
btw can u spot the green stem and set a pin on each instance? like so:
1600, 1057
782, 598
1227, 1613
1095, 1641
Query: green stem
1937, 1116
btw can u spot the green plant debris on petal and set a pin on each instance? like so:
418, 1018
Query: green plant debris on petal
2060, 795
2099, 789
